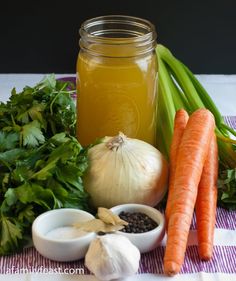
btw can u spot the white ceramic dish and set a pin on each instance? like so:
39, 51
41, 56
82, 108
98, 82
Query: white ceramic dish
146, 241
61, 249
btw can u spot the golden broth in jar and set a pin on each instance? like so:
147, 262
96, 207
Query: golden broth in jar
117, 82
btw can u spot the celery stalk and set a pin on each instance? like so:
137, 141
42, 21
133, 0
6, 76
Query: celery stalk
208, 102
179, 98
163, 129
181, 77
229, 129
165, 108
181, 88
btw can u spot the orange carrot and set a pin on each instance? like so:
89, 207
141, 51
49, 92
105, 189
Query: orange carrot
206, 202
191, 156
180, 122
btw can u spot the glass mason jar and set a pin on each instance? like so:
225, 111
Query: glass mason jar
116, 79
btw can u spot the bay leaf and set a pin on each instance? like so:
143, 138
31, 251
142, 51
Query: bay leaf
97, 225
109, 217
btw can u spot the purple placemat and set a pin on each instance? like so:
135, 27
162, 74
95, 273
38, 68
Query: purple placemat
223, 260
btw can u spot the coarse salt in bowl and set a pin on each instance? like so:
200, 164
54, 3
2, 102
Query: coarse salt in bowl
55, 237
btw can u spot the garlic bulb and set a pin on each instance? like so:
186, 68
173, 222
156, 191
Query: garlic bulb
112, 256
124, 170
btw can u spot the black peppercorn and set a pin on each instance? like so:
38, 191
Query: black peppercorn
137, 222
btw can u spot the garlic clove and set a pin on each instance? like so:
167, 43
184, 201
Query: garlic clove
112, 256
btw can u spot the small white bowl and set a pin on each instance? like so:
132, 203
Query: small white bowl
61, 249
146, 241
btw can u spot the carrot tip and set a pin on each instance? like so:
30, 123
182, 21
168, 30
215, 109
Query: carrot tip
205, 252
171, 268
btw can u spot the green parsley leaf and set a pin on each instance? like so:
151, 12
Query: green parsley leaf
32, 134
10, 234
8, 140
227, 189
49, 81
26, 215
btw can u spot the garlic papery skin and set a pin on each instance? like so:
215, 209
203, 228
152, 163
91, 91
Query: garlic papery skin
125, 170
112, 256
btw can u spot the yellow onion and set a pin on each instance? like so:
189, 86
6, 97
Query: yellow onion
125, 170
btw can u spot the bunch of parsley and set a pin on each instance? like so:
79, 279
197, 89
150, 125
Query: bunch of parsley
227, 189
41, 161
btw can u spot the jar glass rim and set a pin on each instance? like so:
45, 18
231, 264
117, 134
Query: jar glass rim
121, 28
